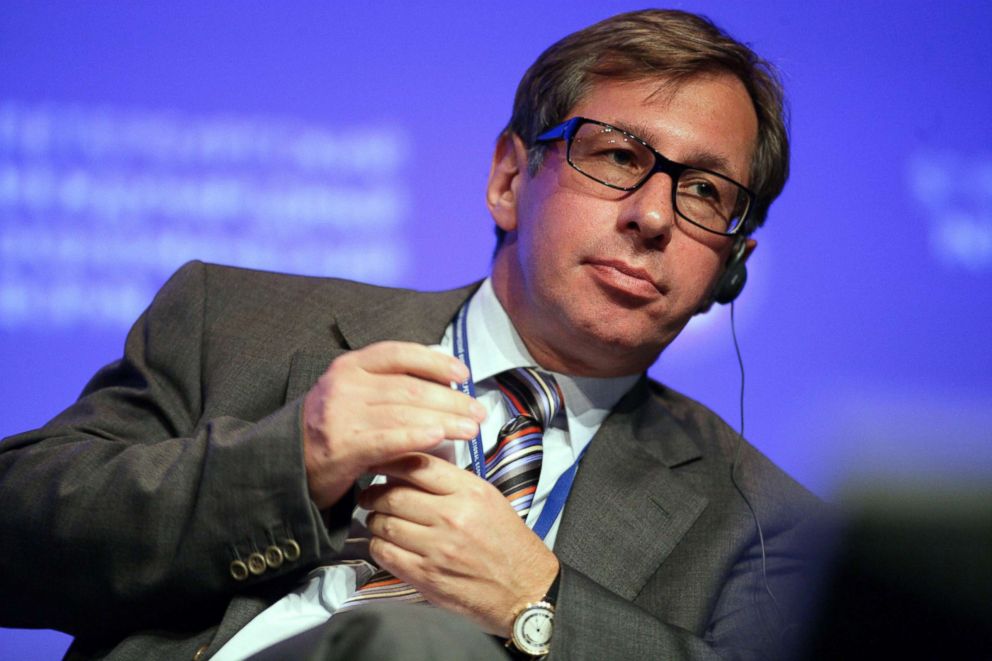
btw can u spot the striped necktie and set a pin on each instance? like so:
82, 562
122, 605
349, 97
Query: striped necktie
513, 465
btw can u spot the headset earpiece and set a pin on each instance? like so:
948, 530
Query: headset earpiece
734, 275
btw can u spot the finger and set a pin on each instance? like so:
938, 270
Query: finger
400, 562
402, 416
415, 391
409, 358
426, 472
400, 500
381, 445
405, 534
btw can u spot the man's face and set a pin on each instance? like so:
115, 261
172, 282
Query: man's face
598, 281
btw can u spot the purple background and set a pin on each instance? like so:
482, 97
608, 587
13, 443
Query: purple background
866, 326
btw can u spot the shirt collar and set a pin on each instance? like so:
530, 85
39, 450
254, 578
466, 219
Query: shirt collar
496, 347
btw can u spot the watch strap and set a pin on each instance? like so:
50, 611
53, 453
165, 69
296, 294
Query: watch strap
552, 596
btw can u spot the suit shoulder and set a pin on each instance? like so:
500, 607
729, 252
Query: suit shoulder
244, 285
238, 304
241, 278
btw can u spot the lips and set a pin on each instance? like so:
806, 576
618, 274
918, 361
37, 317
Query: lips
625, 278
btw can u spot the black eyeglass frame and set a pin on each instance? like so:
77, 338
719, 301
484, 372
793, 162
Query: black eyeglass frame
567, 130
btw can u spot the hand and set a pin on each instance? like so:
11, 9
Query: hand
378, 403
455, 537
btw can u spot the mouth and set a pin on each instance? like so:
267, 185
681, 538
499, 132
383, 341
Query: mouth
626, 279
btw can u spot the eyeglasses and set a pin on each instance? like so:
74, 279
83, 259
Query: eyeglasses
622, 161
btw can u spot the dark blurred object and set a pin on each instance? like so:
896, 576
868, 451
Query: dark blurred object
911, 577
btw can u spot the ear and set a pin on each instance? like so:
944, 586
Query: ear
749, 246
508, 168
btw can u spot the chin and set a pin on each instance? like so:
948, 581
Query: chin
627, 342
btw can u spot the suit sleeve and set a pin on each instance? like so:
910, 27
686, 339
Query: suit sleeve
128, 509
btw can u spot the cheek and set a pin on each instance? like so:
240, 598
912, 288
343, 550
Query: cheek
697, 271
553, 234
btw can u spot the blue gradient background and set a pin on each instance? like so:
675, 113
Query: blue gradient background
866, 326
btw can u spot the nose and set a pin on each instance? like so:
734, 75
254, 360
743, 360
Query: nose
648, 211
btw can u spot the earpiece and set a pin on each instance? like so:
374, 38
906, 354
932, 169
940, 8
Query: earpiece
731, 282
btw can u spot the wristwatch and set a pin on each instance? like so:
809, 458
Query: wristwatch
532, 629
534, 624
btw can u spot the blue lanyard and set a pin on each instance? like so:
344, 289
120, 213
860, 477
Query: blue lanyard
559, 492
468, 387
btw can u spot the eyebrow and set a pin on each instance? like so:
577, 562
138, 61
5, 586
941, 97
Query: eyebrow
697, 159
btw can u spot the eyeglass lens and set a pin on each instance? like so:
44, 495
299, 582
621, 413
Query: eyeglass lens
614, 158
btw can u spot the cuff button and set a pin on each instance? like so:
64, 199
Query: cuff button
239, 570
274, 557
291, 550
256, 563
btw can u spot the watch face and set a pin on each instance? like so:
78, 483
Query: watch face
532, 630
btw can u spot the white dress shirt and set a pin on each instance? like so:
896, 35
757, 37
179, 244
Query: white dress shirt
494, 347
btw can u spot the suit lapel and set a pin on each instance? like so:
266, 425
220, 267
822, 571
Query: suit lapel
626, 493
396, 314
373, 314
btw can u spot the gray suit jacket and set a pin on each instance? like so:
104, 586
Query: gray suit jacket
122, 516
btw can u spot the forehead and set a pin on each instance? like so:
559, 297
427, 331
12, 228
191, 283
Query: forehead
707, 120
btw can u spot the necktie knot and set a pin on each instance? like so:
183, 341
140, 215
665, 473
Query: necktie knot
531, 393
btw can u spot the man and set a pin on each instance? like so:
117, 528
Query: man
206, 492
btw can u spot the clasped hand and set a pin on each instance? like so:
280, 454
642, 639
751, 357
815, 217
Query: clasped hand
457, 539
440, 528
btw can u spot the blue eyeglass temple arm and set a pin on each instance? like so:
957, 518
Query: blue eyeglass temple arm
561, 132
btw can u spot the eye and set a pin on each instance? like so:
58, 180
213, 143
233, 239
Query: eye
622, 157
699, 187
610, 149
704, 190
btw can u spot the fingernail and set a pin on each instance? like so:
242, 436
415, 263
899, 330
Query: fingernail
468, 427
478, 411
459, 372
